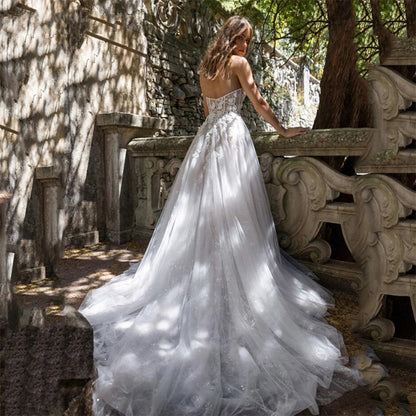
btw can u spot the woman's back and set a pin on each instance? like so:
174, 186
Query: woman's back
220, 86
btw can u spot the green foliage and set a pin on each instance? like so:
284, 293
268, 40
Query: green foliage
300, 27
393, 16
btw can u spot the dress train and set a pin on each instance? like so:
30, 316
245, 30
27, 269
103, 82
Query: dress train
216, 320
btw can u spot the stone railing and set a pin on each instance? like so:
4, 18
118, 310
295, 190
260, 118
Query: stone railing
118, 130
391, 151
375, 214
402, 52
157, 160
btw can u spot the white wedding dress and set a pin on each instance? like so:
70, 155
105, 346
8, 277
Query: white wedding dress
215, 320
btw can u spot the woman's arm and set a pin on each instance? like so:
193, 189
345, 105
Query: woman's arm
243, 71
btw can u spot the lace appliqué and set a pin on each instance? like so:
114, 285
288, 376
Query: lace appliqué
230, 102
222, 111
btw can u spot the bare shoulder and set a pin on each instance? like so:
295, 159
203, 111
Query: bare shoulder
239, 65
202, 81
238, 61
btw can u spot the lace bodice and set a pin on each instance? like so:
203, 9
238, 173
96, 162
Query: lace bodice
230, 102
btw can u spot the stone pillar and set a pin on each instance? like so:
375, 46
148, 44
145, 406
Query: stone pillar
156, 162
49, 180
119, 129
115, 157
6, 292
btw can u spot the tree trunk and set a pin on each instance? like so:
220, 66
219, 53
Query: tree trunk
344, 97
384, 35
410, 6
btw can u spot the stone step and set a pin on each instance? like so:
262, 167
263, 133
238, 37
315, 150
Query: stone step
398, 351
407, 156
402, 162
404, 285
337, 274
403, 52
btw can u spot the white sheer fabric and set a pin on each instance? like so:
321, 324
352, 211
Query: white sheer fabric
215, 320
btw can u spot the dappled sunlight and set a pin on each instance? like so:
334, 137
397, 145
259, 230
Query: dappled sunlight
142, 328
211, 294
80, 271
60, 69
305, 295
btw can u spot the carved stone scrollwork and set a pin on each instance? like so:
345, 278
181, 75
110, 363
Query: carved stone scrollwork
394, 250
380, 329
385, 93
165, 13
304, 192
385, 237
376, 376
398, 136
299, 173
385, 390
162, 181
373, 373
318, 250
173, 166
266, 161
391, 96
381, 210
375, 190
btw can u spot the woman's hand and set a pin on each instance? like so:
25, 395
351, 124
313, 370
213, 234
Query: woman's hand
294, 131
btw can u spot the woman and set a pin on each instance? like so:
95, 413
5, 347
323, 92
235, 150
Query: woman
214, 320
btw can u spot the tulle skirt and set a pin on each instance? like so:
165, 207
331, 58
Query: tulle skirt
215, 319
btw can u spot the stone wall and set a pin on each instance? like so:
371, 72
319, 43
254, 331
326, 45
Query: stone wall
62, 64
290, 89
175, 49
60, 67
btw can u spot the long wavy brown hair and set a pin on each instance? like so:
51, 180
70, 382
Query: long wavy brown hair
217, 57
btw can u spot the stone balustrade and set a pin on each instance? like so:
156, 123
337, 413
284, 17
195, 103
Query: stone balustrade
376, 226
402, 52
157, 159
391, 150
374, 212
119, 129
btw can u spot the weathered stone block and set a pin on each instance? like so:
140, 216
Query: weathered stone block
178, 93
45, 368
